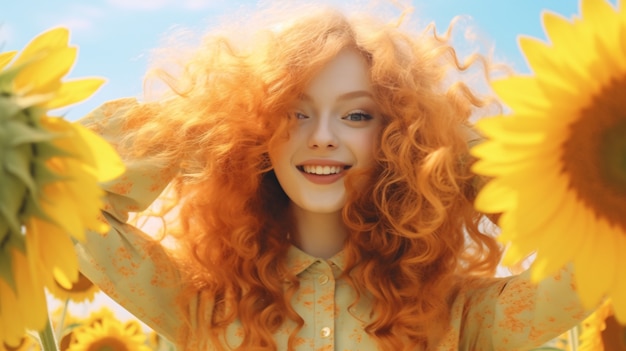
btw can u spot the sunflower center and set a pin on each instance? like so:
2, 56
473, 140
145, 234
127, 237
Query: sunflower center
594, 155
108, 344
16, 347
81, 285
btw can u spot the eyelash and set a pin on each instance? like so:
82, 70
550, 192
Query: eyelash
362, 116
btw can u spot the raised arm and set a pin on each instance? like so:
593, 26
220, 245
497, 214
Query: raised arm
515, 314
126, 263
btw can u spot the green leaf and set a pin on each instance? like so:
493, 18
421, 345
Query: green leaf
6, 272
7, 77
12, 193
17, 162
22, 133
48, 150
8, 109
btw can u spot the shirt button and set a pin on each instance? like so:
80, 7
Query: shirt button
323, 279
325, 332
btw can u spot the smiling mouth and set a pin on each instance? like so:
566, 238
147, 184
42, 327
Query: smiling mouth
322, 170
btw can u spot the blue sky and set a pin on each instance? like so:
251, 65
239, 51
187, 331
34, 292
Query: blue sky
114, 36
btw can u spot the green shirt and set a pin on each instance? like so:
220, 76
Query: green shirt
492, 314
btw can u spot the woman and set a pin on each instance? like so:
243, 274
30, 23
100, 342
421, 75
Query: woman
323, 196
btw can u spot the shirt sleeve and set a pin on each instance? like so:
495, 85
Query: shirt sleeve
130, 266
515, 314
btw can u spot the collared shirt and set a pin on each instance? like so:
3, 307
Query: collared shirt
130, 266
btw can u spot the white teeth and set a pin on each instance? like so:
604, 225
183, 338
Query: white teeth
322, 170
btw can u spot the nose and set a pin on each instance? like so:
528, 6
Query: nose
323, 135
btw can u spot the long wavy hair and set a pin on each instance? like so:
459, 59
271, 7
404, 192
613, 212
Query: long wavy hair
413, 232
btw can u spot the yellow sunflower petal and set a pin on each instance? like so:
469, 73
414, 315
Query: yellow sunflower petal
599, 14
100, 157
6, 57
548, 244
495, 197
31, 298
47, 241
618, 291
591, 267
83, 188
108, 164
43, 76
536, 208
550, 263
50, 40
74, 91
559, 30
565, 38
592, 328
521, 132
12, 323
61, 207
556, 75
516, 171
530, 102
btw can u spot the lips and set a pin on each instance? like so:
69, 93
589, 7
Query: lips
323, 171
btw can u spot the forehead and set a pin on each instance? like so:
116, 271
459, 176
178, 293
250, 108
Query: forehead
346, 73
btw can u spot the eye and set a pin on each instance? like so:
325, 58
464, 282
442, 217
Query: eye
357, 117
298, 115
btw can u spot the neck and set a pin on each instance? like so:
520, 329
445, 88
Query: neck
318, 234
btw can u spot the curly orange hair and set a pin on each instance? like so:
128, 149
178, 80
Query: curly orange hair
413, 229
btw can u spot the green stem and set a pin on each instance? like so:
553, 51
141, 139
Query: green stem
573, 338
61, 324
48, 341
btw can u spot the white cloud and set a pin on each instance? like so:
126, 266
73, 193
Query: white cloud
78, 18
149, 5
200, 4
139, 4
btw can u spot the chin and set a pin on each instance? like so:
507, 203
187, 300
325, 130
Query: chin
321, 207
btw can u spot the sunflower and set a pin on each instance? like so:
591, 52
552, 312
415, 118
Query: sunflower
82, 290
98, 316
71, 324
109, 334
49, 175
557, 163
593, 327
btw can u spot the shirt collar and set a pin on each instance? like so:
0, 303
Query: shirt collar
298, 260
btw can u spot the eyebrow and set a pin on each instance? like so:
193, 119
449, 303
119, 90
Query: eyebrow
343, 97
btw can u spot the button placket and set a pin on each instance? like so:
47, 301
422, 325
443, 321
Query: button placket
324, 305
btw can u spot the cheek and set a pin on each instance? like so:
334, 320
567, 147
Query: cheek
367, 144
280, 158
278, 147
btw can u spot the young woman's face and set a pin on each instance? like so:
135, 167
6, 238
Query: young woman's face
335, 132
